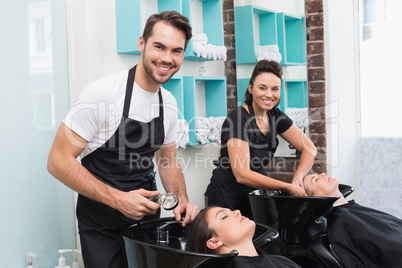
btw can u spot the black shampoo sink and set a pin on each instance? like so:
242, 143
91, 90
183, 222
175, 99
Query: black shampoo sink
297, 219
161, 243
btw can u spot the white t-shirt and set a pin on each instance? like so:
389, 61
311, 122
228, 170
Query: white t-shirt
97, 111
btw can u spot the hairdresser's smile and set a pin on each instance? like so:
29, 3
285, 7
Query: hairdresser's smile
266, 91
164, 68
163, 53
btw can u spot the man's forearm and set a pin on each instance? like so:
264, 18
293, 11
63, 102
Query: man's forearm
72, 174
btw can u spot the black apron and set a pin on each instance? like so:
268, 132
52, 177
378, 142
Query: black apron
224, 190
125, 163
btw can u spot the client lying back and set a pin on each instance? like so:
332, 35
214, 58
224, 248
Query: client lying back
360, 236
221, 230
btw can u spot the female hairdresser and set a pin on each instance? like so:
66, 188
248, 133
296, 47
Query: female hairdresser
219, 230
249, 140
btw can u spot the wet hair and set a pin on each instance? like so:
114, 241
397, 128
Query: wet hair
171, 18
263, 66
200, 233
308, 191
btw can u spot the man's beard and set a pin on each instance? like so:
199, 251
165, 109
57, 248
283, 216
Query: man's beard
148, 70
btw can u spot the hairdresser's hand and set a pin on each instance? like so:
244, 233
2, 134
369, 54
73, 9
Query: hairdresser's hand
186, 212
298, 180
135, 204
296, 190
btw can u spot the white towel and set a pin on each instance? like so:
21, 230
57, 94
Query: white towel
268, 52
197, 48
203, 128
200, 37
299, 116
209, 51
216, 129
182, 134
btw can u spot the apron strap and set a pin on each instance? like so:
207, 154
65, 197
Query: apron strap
129, 92
160, 103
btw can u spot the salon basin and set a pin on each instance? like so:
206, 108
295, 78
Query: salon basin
345, 189
301, 224
295, 218
147, 246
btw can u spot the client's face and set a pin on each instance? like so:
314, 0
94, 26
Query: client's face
320, 185
228, 226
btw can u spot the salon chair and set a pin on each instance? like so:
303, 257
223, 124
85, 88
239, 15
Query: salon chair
161, 243
301, 224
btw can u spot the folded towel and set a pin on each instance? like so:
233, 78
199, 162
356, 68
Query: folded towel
200, 37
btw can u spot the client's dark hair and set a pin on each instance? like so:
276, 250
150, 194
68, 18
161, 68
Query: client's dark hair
263, 66
199, 233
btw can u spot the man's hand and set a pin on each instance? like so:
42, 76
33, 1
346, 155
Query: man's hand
135, 204
185, 211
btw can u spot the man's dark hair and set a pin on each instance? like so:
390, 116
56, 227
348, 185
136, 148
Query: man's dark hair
172, 18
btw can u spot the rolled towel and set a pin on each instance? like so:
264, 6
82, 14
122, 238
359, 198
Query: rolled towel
200, 37
268, 52
202, 124
299, 116
204, 52
202, 138
203, 127
182, 134
209, 48
222, 52
197, 48
216, 129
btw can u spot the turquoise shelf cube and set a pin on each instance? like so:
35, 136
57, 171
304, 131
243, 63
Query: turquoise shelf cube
215, 100
295, 93
212, 23
129, 25
129, 22
245, 29
291, 39
175, 5
175, 86
242, 85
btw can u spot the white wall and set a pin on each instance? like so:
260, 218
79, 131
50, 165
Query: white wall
342, 91
92, 55
36, 212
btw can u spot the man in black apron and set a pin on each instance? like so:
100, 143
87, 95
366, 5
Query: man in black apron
115, 180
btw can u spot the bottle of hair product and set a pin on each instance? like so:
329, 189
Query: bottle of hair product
30, 256
76, 264
62, 260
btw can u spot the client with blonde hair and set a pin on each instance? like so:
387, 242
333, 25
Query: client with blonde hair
360, 236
